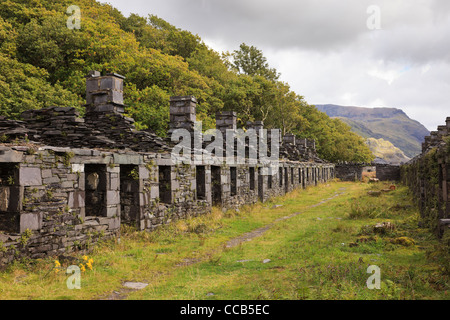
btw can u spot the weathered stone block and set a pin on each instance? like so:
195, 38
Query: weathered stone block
32, 221
8, 155
127, 159
154, 192
30, 176
114, 183
67, 184
113, 211
76, 167
114, 223
76, 199
143, 173
46, 173
112, 197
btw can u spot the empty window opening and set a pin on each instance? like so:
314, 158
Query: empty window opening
129, 194
303, 179
201, 182
299, 175
286, 179
233, 176
216, 185
280, 176
165, 184
252, 178
260, 185
10, 198
95, 182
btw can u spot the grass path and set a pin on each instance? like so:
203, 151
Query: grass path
310, 244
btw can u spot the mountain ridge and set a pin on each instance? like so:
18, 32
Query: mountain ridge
389, 124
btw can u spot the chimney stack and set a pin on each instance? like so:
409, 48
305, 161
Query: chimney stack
289, 138
104, 93
182, 113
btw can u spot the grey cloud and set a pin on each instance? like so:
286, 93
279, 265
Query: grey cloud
325, 51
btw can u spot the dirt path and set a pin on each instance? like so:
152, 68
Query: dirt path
259, 232
129, 287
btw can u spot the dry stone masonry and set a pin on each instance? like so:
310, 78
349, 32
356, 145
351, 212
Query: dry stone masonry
355, 171
428, 176
67, 182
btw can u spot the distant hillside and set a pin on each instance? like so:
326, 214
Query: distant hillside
390, 124
386, 152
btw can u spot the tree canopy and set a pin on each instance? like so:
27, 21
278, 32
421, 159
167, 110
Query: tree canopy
43, 63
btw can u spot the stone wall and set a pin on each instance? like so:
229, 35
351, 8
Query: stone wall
356, 171
349, 172
67, 182
428, 177
49, 197
46, 199
387, 172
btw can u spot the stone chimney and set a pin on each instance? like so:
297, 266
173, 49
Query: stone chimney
104, 93
256, 125
442, 131
311, 144
447, 122
226, 120
289, 138
182, 113
269, 135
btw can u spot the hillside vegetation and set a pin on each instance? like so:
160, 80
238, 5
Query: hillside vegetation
44, 63
390, 124
386, 151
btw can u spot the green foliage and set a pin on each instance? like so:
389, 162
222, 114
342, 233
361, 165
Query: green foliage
24, 87
25, 237
251, 61
43, 63
447, 142
334, 139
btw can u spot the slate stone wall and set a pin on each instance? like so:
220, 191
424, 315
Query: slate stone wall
386, 172
349, 172
49, 198
67, 182
428, 177
50, 217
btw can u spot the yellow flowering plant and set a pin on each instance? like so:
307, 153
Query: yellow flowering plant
57, 267
86, 262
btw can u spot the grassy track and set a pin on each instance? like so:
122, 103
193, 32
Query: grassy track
317, 245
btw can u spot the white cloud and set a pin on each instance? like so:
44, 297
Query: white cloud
325, 51
383, 73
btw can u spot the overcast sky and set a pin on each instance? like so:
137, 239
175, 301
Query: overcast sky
368, 53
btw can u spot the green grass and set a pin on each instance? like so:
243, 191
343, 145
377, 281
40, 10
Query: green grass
321, 253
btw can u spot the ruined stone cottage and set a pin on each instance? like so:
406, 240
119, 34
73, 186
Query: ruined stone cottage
67, 181
428, 177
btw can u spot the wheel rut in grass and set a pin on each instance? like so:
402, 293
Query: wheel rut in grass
122, 293
259, 232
